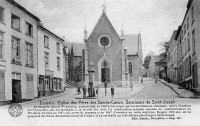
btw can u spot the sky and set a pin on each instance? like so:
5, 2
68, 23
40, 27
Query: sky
154, 19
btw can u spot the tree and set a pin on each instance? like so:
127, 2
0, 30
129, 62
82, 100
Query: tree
164, 48
146, 61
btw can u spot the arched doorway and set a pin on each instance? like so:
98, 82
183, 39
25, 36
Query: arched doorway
105, 71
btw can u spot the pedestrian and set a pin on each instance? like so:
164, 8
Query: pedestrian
84, 92
112, 91
156, 81
131, 85
142, 80
79, 90
97, 91
88, 91
105, 85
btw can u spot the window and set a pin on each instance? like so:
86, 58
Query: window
15, 50
29, 29
130, 68
46, 41
2, 85
188, 41
58, 47
192, 14
184, 29
193, 42
58, 63
1, 14
29, 54
46, 59
1, 44
15, 22
104, 41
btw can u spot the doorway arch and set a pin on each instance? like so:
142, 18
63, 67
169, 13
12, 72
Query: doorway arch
105, 69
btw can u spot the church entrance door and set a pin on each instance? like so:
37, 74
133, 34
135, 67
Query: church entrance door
105, 74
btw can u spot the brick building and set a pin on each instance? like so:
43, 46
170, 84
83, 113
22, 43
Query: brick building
117, 59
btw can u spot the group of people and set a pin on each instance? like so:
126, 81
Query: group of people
92, 92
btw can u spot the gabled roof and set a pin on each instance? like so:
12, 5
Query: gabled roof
23, 9
132, 43
49, 32
103, 24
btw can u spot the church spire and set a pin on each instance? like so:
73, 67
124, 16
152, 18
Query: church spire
85, 34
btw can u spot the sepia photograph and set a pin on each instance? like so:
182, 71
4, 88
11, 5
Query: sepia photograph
100, 62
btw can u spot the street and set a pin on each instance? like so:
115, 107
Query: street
147, 90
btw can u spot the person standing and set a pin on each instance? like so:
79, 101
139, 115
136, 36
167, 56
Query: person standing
97, 91
84, 92
88, 91
105, 85
142, 80
131, 85
112, 91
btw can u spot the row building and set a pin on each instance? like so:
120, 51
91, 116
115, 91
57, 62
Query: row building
24, 58
184, 55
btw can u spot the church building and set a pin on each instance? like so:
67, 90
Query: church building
117, 59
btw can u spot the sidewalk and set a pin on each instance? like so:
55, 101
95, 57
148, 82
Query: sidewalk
182, 93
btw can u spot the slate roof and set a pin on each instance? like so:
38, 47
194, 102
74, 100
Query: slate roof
131, 42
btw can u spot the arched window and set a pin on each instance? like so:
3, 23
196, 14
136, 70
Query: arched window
130, 68
105, 64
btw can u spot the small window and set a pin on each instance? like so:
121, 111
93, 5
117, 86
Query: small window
58, 47
1, 45
15, 22
188, 41
15, 50
29, 29
130, 68
46, 59
46, 41
193, 42
1, 14
192, 14
29, 54
58, 63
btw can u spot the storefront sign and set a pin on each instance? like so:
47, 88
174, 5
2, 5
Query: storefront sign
49, 73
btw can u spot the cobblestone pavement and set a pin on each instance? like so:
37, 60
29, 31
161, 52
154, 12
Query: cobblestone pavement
146, 90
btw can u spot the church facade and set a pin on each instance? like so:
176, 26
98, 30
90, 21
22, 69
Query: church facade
117, 59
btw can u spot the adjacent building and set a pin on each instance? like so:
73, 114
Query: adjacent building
172, 59
50, 62
18, 52
154, 66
